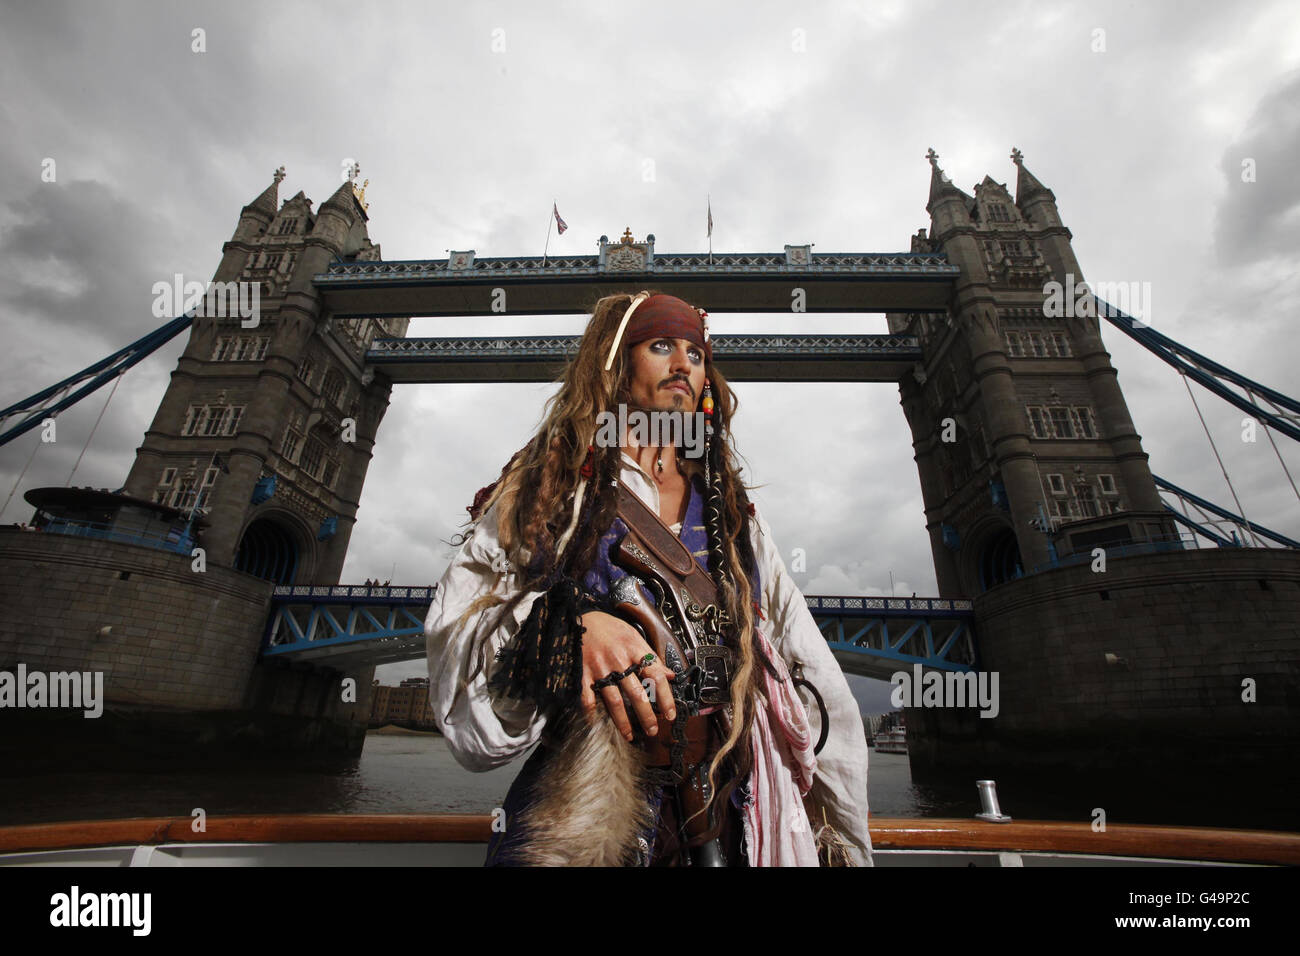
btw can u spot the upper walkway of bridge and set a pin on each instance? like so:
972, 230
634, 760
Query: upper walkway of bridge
563, 285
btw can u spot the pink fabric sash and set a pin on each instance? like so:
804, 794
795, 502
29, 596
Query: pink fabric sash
776, 825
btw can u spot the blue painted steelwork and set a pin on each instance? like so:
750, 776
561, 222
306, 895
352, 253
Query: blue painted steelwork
50, 401
357, 626
346, 625
872, 637
264, 490
1159, 544
178, 542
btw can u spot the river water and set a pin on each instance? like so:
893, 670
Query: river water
416, 773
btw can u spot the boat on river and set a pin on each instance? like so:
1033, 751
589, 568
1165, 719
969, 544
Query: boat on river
891, 741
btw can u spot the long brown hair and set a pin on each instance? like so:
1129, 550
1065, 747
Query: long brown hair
534, 500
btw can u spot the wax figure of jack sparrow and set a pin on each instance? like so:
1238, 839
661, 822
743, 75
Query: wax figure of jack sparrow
522, 646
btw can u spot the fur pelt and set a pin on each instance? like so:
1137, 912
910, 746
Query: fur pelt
590, 801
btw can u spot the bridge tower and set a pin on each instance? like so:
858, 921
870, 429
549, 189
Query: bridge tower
1023, 441
268, 424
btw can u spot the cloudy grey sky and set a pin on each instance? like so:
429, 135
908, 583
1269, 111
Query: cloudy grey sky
804, 125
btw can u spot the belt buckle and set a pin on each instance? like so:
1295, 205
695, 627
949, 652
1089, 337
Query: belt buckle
714, 662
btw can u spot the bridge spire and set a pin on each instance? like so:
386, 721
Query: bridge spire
1027, 184
941, 186
269, 201
345, 197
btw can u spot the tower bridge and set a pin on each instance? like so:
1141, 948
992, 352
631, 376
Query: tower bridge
1028, 460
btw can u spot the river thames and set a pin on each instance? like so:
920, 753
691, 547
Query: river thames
404, 772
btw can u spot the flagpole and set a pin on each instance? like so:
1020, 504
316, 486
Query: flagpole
549, 217
710, 205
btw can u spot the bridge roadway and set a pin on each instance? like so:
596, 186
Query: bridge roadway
346, 626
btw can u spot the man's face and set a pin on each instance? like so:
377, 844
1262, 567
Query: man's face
667, 374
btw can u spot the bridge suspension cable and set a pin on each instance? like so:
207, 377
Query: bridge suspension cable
1268, 433
1218, 458
19, 480
94, 428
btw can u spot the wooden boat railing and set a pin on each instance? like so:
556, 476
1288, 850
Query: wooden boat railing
887, 833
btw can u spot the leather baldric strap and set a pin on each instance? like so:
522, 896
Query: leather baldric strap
666, 547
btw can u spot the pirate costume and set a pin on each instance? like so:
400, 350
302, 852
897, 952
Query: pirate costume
586, 795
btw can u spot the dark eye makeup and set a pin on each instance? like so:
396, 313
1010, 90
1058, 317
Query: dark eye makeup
696, 354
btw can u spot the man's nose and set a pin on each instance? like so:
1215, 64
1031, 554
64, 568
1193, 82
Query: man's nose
681, 359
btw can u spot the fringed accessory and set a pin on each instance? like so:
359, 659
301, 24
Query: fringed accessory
543, 662
590, 801
832, 848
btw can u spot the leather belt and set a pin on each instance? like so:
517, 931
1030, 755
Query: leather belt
658, 559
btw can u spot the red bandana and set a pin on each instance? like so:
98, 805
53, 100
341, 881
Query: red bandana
666, 316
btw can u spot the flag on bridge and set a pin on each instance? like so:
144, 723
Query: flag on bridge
710, 232
560, 224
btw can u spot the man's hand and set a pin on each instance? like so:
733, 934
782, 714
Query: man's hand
610, 645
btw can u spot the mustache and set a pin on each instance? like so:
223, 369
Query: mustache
684, 381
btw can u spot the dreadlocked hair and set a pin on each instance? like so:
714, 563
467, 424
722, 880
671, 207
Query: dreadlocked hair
533, 499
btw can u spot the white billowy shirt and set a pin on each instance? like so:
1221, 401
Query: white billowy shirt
484, 732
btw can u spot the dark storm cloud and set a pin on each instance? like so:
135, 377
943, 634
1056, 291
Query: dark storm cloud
65, 271
1260, 220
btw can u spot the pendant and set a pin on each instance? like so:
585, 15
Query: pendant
659, 463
